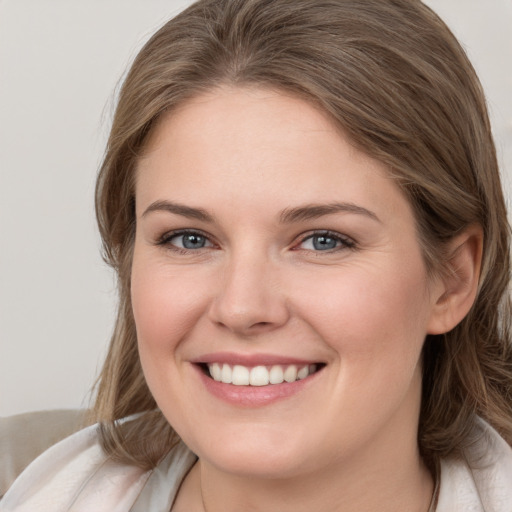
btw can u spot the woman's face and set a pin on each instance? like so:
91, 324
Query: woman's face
271, 252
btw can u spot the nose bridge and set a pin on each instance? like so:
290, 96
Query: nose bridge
249, 298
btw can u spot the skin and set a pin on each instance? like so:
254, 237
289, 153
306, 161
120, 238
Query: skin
347, 440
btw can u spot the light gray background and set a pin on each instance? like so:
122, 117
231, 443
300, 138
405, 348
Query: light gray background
60, 63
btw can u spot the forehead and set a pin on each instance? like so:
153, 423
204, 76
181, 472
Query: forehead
253, 144
260, 112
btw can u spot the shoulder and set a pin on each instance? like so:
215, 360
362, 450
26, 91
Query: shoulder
482, 481
23, 437
76, 473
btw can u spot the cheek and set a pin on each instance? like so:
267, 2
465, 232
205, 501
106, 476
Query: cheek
370, 315
375, 326
166, 305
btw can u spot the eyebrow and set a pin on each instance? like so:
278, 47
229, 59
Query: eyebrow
179, 209
314, 211
288, 216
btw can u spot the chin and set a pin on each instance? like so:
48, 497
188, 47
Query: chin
255, 464
258, 454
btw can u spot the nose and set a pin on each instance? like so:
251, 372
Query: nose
250, 299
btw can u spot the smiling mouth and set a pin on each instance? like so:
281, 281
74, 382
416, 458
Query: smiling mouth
239, 375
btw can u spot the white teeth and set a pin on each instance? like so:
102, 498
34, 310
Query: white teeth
239, 375
226, 374
290, 374
216, 371
303, 373
276, 375
259, 376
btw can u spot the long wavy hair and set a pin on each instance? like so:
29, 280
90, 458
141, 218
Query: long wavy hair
393, 76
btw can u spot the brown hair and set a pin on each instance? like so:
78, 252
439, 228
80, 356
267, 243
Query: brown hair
393, 76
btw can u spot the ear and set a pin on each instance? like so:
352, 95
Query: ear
456, 288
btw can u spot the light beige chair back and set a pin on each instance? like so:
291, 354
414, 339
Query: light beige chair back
25, 436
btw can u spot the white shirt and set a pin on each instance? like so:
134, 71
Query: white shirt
76, 476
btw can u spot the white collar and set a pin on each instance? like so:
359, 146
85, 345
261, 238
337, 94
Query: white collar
482, 481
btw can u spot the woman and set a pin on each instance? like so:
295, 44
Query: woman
302, 202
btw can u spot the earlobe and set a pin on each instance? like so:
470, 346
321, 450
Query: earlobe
458, 284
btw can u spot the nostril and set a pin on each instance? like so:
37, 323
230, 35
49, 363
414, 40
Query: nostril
261, 324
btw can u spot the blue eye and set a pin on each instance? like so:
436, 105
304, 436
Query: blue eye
189, 240
325, 242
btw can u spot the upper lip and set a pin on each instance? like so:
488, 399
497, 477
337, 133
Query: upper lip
251, 360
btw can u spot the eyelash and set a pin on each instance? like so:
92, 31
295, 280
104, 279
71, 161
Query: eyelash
165, 240
344, 241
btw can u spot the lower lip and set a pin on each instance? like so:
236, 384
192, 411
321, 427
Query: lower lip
254, 396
